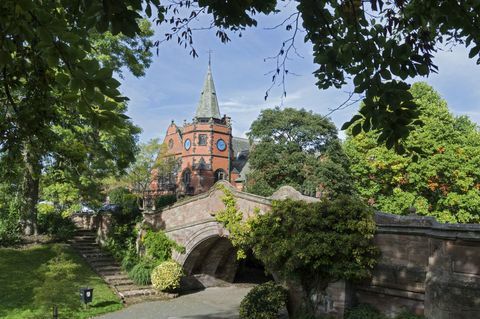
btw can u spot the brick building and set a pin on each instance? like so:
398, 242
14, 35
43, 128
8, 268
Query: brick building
205, 150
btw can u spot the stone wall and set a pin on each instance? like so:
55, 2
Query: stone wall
425, 268
100, 223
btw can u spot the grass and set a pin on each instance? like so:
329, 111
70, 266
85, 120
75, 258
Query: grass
34, 279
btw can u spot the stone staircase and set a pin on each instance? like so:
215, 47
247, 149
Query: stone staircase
105, 265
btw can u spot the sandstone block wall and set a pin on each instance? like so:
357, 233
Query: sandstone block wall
425, 267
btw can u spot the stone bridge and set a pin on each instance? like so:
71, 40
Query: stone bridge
425, 267
209, 256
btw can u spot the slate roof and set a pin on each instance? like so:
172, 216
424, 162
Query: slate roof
241, 150
208, 104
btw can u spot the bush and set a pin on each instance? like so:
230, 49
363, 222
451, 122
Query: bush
363, 311
142, 271
408, 315
263, 302
158, 246
130, 258
167, 276
9, 232
122, 229
53, 223
164, 201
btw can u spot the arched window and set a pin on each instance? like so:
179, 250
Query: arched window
186, 176
220, 174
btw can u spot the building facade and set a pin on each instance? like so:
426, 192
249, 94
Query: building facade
205, 150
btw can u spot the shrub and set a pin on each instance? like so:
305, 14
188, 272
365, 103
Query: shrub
363, 311
167, 276
164, 201
263, 302
408, 315
158, 246
142, 271
122, 229
9, 232
53, 223
130, 258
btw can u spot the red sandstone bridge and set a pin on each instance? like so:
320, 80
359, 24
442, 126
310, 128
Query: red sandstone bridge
209, 256
425, 267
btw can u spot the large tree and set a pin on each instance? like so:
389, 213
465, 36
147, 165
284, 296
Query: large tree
62, 115
376, 43
443, 182
297, 148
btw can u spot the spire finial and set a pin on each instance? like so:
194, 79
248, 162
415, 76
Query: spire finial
209, 57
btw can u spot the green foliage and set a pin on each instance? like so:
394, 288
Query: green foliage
167, 276
130, 257
263, 302
232, 220
158, 246
314, 244
45, 275
444, 182
164, 201
142, 271
123, 232
50, 221
61, 101
365, 311
297, 148
375, 44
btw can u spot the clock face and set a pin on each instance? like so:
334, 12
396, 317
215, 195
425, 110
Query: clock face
221, 145
187, 144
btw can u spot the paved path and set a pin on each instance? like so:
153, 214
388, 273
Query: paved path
211, 303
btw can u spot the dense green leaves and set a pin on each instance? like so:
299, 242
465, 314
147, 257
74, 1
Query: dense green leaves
297, 148
375, 44
316, 243
63, 118
444, 182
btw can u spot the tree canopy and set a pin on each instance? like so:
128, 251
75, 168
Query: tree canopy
62, 124
297, 148
444, 182
376, 44
314, 244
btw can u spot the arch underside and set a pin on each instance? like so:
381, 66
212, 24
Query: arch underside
210, 263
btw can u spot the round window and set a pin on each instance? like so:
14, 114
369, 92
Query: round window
187, 144
221, 145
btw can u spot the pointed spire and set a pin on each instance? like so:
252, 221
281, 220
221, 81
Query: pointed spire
208, 105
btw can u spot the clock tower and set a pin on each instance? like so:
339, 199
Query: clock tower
205, 148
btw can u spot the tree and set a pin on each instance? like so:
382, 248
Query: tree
62, 113
309, 245
444, 182
151, 162
376, 43
297, 148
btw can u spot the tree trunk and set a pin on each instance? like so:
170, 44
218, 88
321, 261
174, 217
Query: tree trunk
30, 189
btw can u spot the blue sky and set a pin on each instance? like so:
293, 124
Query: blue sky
172, 85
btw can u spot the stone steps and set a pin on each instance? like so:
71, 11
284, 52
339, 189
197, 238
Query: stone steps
105, 265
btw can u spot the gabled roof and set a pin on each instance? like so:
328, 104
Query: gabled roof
208, 105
